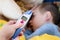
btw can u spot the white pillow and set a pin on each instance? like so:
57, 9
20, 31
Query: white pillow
10, 9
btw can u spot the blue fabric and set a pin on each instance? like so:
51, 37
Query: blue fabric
49, 0
58, 0
27, 33
48, 28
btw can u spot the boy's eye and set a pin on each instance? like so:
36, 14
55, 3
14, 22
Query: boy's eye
32, 16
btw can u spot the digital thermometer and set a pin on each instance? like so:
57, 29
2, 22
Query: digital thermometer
23, 19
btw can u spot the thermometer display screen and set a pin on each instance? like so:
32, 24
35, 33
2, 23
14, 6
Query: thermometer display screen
24, 18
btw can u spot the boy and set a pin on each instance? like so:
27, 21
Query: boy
45, 19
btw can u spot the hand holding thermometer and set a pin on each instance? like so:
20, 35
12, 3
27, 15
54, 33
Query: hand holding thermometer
23, 19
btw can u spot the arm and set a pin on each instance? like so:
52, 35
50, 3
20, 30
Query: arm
8, 30
2, 37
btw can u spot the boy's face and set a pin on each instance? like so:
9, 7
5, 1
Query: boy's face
37, 19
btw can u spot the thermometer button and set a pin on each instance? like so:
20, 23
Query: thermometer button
22, 21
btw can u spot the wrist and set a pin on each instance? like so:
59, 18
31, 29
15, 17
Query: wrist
2, 36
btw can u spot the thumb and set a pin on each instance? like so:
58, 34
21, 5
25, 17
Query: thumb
11, 22
18, 25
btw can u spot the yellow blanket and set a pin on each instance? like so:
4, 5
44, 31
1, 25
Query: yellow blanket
2, 22
45, 37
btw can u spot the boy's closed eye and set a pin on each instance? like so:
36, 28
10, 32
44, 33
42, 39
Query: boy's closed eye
32, 16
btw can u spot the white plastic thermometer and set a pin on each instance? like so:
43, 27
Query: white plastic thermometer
23, 19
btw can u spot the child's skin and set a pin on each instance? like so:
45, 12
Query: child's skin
39, 19
42, 15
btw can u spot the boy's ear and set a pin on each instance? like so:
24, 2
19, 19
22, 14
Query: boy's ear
48, 15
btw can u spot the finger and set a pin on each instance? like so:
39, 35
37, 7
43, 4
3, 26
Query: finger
11, 22
21, 33
17, 25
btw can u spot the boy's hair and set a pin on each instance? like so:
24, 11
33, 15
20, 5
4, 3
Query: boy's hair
33, 2
53, 8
